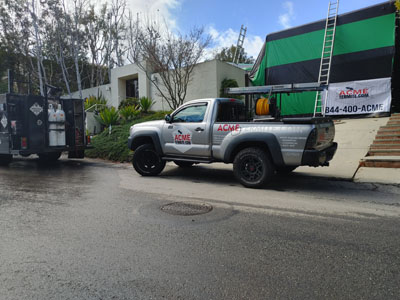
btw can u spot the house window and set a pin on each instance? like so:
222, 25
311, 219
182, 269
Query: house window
132, 88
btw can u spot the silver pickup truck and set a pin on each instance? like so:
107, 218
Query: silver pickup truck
217, 130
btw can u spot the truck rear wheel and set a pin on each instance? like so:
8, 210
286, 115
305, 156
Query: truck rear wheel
146, 161
49, 157
252, 167
5, 159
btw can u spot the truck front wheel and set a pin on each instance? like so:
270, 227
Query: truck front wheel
146, 161
252, 167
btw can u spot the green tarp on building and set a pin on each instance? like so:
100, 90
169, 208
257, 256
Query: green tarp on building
364, 49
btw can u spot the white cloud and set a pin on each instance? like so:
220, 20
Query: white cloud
252, 43
286, 19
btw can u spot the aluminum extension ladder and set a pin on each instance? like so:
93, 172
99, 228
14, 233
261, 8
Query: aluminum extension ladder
326, 57
239, 46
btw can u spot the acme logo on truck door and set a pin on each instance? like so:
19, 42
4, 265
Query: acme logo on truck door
182, 137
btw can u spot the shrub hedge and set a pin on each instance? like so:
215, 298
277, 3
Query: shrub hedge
114, 146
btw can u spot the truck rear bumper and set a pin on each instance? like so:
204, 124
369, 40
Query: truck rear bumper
317, 158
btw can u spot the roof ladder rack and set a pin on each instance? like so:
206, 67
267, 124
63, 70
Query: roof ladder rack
326, 58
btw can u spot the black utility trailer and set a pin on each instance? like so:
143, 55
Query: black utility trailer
25, 127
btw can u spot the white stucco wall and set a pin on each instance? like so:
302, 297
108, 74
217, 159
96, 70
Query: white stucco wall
228, 71
118, 82
202, 85
104, 90
205, 83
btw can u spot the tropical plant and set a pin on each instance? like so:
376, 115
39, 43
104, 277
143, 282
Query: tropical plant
129, 113
145, 104
109, 116
130, 101
91, 101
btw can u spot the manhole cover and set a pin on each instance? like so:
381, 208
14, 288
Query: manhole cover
186, 209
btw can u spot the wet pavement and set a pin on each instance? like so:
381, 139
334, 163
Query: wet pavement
94, 230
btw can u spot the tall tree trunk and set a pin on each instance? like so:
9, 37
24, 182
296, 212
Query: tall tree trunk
38, 49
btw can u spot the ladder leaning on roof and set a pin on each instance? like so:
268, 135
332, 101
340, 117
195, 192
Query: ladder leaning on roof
239, 46
326, 58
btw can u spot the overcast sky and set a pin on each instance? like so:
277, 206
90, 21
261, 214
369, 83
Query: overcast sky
222, 19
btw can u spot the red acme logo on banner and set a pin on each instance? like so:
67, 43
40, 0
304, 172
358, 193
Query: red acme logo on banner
352, 93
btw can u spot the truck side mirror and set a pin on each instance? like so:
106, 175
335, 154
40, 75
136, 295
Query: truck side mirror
168, 118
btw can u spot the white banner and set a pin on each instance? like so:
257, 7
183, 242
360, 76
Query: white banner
359, 97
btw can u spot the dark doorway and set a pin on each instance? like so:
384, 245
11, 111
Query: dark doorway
132, 88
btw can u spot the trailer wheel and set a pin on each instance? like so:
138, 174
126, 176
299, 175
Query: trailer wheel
49, 157
183, 164
5, 159
253, 167
146, 161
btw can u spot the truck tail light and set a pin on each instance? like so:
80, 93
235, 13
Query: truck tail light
24, 143
312, 139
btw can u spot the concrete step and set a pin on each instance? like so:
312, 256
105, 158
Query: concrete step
384, 152
386, 141
393, 126
385, 146
380, 162
388, 131
387, 136
393, 122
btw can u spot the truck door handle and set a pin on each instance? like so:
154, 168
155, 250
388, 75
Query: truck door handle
199, 129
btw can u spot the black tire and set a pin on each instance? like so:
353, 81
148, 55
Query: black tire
49, 157
5, 159
285, 170
253, 167
183, 164
146, 161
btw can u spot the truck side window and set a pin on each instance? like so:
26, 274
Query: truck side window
192, 114
231, 112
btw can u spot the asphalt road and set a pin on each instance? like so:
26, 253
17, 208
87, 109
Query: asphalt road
94, 230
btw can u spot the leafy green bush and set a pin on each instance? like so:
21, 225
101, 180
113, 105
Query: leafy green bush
129, 102
129, 113
228, 83
145, 104
109, 116
114, 146
91, 101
